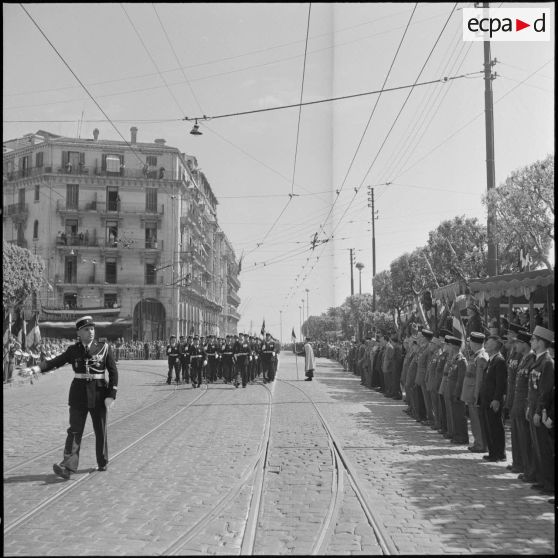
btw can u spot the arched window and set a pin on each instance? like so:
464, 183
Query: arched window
36, 229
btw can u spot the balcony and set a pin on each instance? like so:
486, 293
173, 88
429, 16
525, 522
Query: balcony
75, 240
110, 208
83, 170
233, 298
21, 243
233, 281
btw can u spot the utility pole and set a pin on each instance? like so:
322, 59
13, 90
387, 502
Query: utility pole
281, 326
374, 217
352, 281
490, 169
307, 305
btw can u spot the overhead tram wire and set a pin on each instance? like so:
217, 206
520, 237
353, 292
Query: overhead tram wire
292, 194
396, 118
80, 82
371, 115
321, 227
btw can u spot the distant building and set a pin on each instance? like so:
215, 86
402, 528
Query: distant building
128, 232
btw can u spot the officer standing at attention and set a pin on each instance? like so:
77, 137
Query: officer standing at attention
242, 356
269, 353
173, 354
90, 392
491, 398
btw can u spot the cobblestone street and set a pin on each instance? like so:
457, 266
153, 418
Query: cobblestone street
187, 488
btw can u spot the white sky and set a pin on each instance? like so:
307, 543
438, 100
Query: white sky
239, 57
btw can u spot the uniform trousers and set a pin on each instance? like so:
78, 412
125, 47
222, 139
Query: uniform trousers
185, 371
493, 427
525, 445
211, 368
420, 407
396, 381
443, 414
242, 373
450, 427
460, 431
427, 403
517, 462
174, 363
436, 410
78, 417
227, 369
268, 370
544, 455
196, 371
476, 429
388, 386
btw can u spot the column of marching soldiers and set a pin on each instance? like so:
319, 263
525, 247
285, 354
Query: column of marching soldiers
487, 380
236, 359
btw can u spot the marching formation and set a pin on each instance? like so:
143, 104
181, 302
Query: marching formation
236, 359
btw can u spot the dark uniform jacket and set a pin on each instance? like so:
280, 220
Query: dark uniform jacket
542, 377
88, 394
211, 350
183, 350
267, 350
522, 385
227, 352
197, 355
493, 387
242, 351
173, 352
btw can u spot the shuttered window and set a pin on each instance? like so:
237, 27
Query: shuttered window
72, 196
151, 200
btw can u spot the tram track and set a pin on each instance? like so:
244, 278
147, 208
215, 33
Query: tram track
342, 467
71, 485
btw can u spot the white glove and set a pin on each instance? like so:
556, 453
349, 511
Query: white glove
205, 362
109, 402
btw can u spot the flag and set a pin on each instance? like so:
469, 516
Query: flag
458, 329
524, 260
33, 337
18, 327
262, 331
7, 327
293, 336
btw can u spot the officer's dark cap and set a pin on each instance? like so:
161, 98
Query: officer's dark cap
477, 337
524, 336
85, 321
444, 333
515, 328
456, 341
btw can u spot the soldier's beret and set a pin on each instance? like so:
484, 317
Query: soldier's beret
84, 321
453, 340
524, 337
427, 333
477, 337
544, 333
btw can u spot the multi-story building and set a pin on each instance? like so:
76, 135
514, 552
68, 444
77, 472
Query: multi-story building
128, 232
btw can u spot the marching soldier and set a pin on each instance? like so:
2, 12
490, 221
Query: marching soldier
90, 392
242, 358
184, 358
173, 354
220, 348
269, 356
212, 355
197, 362
227, 360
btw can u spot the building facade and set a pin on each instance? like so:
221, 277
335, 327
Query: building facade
128, 232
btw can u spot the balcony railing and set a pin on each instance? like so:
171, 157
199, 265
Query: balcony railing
233, 298
16, 208
111, 207
79, 239
83, 170
21, 243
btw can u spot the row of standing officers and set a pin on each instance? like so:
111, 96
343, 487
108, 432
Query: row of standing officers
237, 359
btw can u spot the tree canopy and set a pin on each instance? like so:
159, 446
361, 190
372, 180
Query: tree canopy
22, 274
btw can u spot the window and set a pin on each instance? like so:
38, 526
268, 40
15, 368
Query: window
70, 269
112, 234
24, 165
36, 229
20, 234
21, 198
39, 159
151, 235
113, 199
70, 301
110, 270
151, 160
71, 230
150, 274
37, 192
72, 161
72, 196
151, 200
111, 300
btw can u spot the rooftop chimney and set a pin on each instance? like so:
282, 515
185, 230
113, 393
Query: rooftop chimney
160, 141
96, 134
134, 132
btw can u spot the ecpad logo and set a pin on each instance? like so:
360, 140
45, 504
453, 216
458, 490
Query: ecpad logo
506, 24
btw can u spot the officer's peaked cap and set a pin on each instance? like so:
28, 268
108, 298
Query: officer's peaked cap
544, 333
84, 321
524, 336
477, 337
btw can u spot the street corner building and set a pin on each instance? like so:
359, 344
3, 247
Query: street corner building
128, 232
